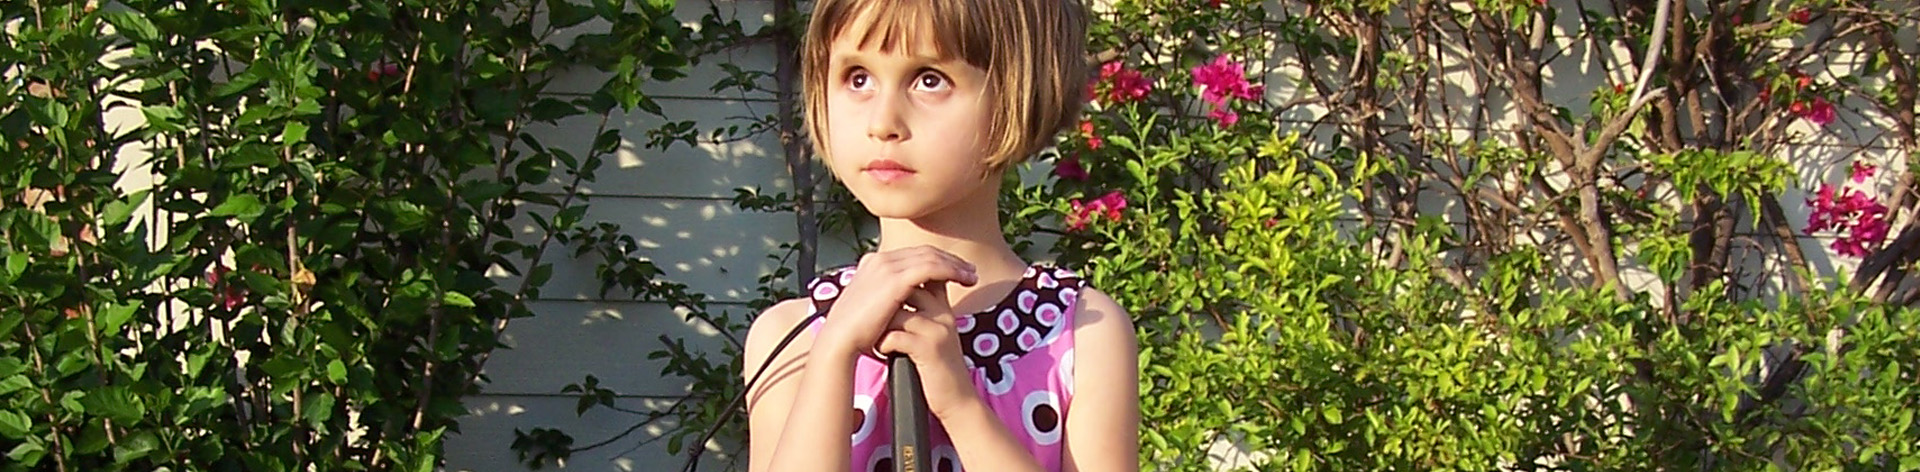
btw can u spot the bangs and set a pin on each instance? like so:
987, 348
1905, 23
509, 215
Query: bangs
945, 29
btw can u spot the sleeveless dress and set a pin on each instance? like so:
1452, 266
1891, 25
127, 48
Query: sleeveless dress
1020, 353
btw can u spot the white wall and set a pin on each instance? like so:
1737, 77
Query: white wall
677, 203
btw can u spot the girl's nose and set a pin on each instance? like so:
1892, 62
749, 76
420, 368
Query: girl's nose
887, 123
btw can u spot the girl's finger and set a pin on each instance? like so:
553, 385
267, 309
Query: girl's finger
925, 326
898, 342
931, 301
929, 273
945, 263
899, 320
920, 323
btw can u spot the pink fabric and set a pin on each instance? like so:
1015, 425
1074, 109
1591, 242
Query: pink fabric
1021, 355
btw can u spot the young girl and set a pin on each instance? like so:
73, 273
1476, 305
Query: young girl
919, 107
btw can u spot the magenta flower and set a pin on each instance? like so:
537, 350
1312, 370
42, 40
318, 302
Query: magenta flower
1069, 168
1224, 115
1123, 85
1222, 79
1862, 172
1093, 140
1820, 113
1861, 219
230, 295
1108, 205
1221, 82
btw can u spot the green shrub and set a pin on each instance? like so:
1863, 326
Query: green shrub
305, 285
1325, 275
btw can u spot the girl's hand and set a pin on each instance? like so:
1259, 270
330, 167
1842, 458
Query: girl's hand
927, 335
882, 287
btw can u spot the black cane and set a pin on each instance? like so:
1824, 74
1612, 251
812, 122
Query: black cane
910, 439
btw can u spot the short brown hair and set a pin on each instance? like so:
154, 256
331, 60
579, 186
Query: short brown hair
1032, 51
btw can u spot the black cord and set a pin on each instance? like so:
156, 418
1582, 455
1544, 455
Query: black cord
693, 459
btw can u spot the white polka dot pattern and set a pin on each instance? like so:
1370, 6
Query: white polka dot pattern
1020, 353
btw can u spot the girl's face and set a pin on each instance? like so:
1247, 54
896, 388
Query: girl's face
906, 128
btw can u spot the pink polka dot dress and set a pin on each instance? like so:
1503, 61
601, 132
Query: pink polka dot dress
1021, 355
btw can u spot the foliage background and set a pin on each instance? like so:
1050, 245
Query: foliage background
1424, 235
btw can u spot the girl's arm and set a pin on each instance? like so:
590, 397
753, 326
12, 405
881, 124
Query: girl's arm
805, 391
1103, 427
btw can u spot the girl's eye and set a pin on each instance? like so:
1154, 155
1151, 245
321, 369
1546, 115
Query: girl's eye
859, 80
931, 81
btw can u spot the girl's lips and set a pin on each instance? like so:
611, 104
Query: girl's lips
887, 171
887, 175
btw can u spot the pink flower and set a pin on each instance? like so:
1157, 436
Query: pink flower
1069, 168
1108, 205
1862, 172
1222, 79
1221, 82
1862, 219
1224, 115
230, 295
1126, 85
383, 69
1093, 140
1123, 85
1820, 113
1822, 204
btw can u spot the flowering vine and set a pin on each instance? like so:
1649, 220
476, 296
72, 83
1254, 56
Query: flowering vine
1108, 205
1118, 84
1221, 82
1861, 219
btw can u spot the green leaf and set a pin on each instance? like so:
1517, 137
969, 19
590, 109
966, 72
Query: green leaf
50, 113
14, 384
282, 367
243, 206
567, 218
135, 447
608, 142
496, 107
115, 316
453, 298
131, 24
409, 131
36, 231
550, 110
337, 371
119, 211
609, 9
13, 424
541, 273
294, 132
15, 266
238, 83
27, 453
116, 403
564, 14
162, 118
319, 409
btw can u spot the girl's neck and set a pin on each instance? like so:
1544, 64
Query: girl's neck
969, 229
973, 238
